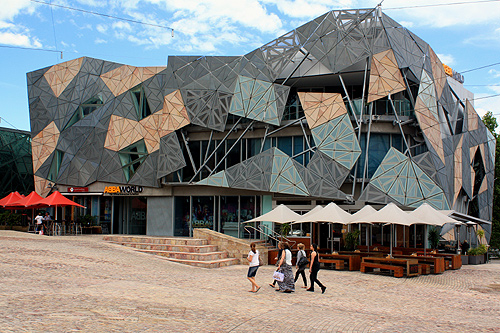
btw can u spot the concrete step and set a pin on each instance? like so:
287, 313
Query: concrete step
169, 247
210, 256
155, 240
188, 251
206, 264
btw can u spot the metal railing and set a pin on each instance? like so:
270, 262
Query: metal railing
269, 233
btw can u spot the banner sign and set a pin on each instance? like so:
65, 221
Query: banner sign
123, 190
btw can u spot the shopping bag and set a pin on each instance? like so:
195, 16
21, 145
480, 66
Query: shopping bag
278, 276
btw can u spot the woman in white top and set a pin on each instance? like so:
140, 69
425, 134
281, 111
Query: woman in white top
285, 267
253, 259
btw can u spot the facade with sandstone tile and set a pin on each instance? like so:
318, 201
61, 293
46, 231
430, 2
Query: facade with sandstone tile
350, 107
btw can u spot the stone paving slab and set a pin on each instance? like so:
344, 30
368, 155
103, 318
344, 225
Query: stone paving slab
83, 284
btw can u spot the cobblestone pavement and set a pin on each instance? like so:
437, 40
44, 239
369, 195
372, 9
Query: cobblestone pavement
82, 284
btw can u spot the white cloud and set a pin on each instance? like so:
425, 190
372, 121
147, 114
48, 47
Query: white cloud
102, 28
494, 73
447, 59
122, 26
441, 16
9, 38
12, 8
100, 41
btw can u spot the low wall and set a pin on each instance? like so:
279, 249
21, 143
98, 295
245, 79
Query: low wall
235, 247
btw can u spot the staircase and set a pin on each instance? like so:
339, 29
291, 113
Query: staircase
189, 251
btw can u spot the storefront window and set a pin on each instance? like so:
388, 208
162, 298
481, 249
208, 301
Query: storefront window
247, 212
138, 214
229, 215
105, 214
182, 216
203, 212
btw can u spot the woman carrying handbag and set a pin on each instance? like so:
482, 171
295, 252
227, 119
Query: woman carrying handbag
302, 264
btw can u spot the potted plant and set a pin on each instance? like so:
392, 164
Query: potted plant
476, 255
285, 229
352, 239
434, 235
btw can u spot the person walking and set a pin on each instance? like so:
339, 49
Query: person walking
285, 267
314, 268
253, 259
39, 223
280, 252
301, 265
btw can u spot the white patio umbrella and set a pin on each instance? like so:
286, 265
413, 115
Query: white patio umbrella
281, 214
309, 213
431, 216
390, 214
330, 213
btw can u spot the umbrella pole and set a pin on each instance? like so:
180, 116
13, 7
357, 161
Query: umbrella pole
425, 239
392, 227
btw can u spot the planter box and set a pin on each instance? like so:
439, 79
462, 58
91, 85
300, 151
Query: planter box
465, 259
476, 260
14, 227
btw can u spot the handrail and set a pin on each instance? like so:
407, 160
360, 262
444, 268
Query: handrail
246, 228
270, 234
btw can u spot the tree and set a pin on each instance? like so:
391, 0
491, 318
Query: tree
491, 123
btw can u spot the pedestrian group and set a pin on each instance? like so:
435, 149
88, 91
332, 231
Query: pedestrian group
284, 275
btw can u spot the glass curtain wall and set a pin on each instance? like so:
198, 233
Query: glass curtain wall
224, 214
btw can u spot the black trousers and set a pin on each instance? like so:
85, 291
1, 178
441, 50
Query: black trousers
314, 278
301, 272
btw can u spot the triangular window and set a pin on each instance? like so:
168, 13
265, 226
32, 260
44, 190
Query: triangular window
140, 102
131, 158
85, 109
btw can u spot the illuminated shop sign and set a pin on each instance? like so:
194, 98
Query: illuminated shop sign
123, 190
78, 189
454, 74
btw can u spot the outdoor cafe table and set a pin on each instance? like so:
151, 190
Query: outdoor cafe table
354, 260
436, 262
410, 266
454, 259
363, 254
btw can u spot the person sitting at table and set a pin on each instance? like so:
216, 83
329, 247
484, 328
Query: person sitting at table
465, 247
47, 217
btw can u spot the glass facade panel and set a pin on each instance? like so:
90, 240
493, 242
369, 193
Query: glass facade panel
247, 212
285, 145
229, 215
203, 212
181, 216
138, 214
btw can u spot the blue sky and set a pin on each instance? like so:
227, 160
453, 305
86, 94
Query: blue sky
464, 36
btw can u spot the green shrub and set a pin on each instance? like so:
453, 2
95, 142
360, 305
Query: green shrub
434, 235
352, 239
10, 219
481, 249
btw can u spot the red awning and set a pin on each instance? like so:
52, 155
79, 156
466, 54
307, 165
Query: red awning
12, 197
57, 199
29, 201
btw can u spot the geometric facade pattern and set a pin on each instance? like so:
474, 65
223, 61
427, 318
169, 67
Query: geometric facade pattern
274, 171
16, 164
256, 99
273, 120
405, 182
385, 76
321, 107
337, 139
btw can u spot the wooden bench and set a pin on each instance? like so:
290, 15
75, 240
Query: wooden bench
424, 269
369, 266
339, 264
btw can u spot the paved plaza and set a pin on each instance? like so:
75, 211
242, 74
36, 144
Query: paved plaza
83, 284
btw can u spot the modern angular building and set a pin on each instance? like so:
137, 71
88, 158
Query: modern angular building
16, 168
350, 107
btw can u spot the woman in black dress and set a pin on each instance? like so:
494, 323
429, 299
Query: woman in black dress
314, 268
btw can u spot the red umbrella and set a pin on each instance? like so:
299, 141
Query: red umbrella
12, 197
31, 200
58, 200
